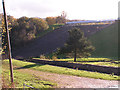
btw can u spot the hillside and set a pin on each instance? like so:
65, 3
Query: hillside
52, 41
106, 41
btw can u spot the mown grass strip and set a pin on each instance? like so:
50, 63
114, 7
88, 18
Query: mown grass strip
62, 70
92, 61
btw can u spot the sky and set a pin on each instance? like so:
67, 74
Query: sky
75, 9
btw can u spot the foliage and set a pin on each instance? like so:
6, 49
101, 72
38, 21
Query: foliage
21, 30
42, 57
77, 44
54, 58
11, 21
26, 29
4, 38
51, 20
57, 20
60, 19
39, 23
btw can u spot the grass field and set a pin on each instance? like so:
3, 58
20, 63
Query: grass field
92, 61
60, 70
106, 42
50, 29
20, 78
95, 61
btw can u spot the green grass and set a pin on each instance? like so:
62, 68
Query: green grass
61, 70
55, 26
96, 61
50, 29
28, 79
106, 42
92, 61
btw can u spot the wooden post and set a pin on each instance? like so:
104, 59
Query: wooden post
75, 54
8, 40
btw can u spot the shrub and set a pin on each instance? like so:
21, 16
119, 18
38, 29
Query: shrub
42, 56
54, 58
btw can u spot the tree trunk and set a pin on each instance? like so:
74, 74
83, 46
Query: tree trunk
75, 53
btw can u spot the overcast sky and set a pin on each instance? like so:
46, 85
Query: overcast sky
75, 9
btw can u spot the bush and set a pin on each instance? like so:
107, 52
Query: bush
54, 58
42, 57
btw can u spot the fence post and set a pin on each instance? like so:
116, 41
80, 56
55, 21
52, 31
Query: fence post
23, 86
8, 40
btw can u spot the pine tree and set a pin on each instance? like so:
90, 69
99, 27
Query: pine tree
77, 44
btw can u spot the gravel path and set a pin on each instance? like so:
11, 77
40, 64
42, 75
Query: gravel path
68, 81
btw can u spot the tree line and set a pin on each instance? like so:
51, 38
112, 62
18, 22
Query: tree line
57, 20
24, 29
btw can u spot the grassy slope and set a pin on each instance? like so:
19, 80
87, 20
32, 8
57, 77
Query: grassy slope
106, 42
61, 70
50, 29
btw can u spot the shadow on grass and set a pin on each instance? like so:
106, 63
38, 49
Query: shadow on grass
29, 66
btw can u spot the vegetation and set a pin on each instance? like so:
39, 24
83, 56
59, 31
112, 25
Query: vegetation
106, 42
61, 70
77, 44
4, 35
21, 78
93, 61
57, 20
24, 30
51, 20
27, 29
50, 29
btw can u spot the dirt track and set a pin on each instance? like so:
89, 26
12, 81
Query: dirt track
68, 81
